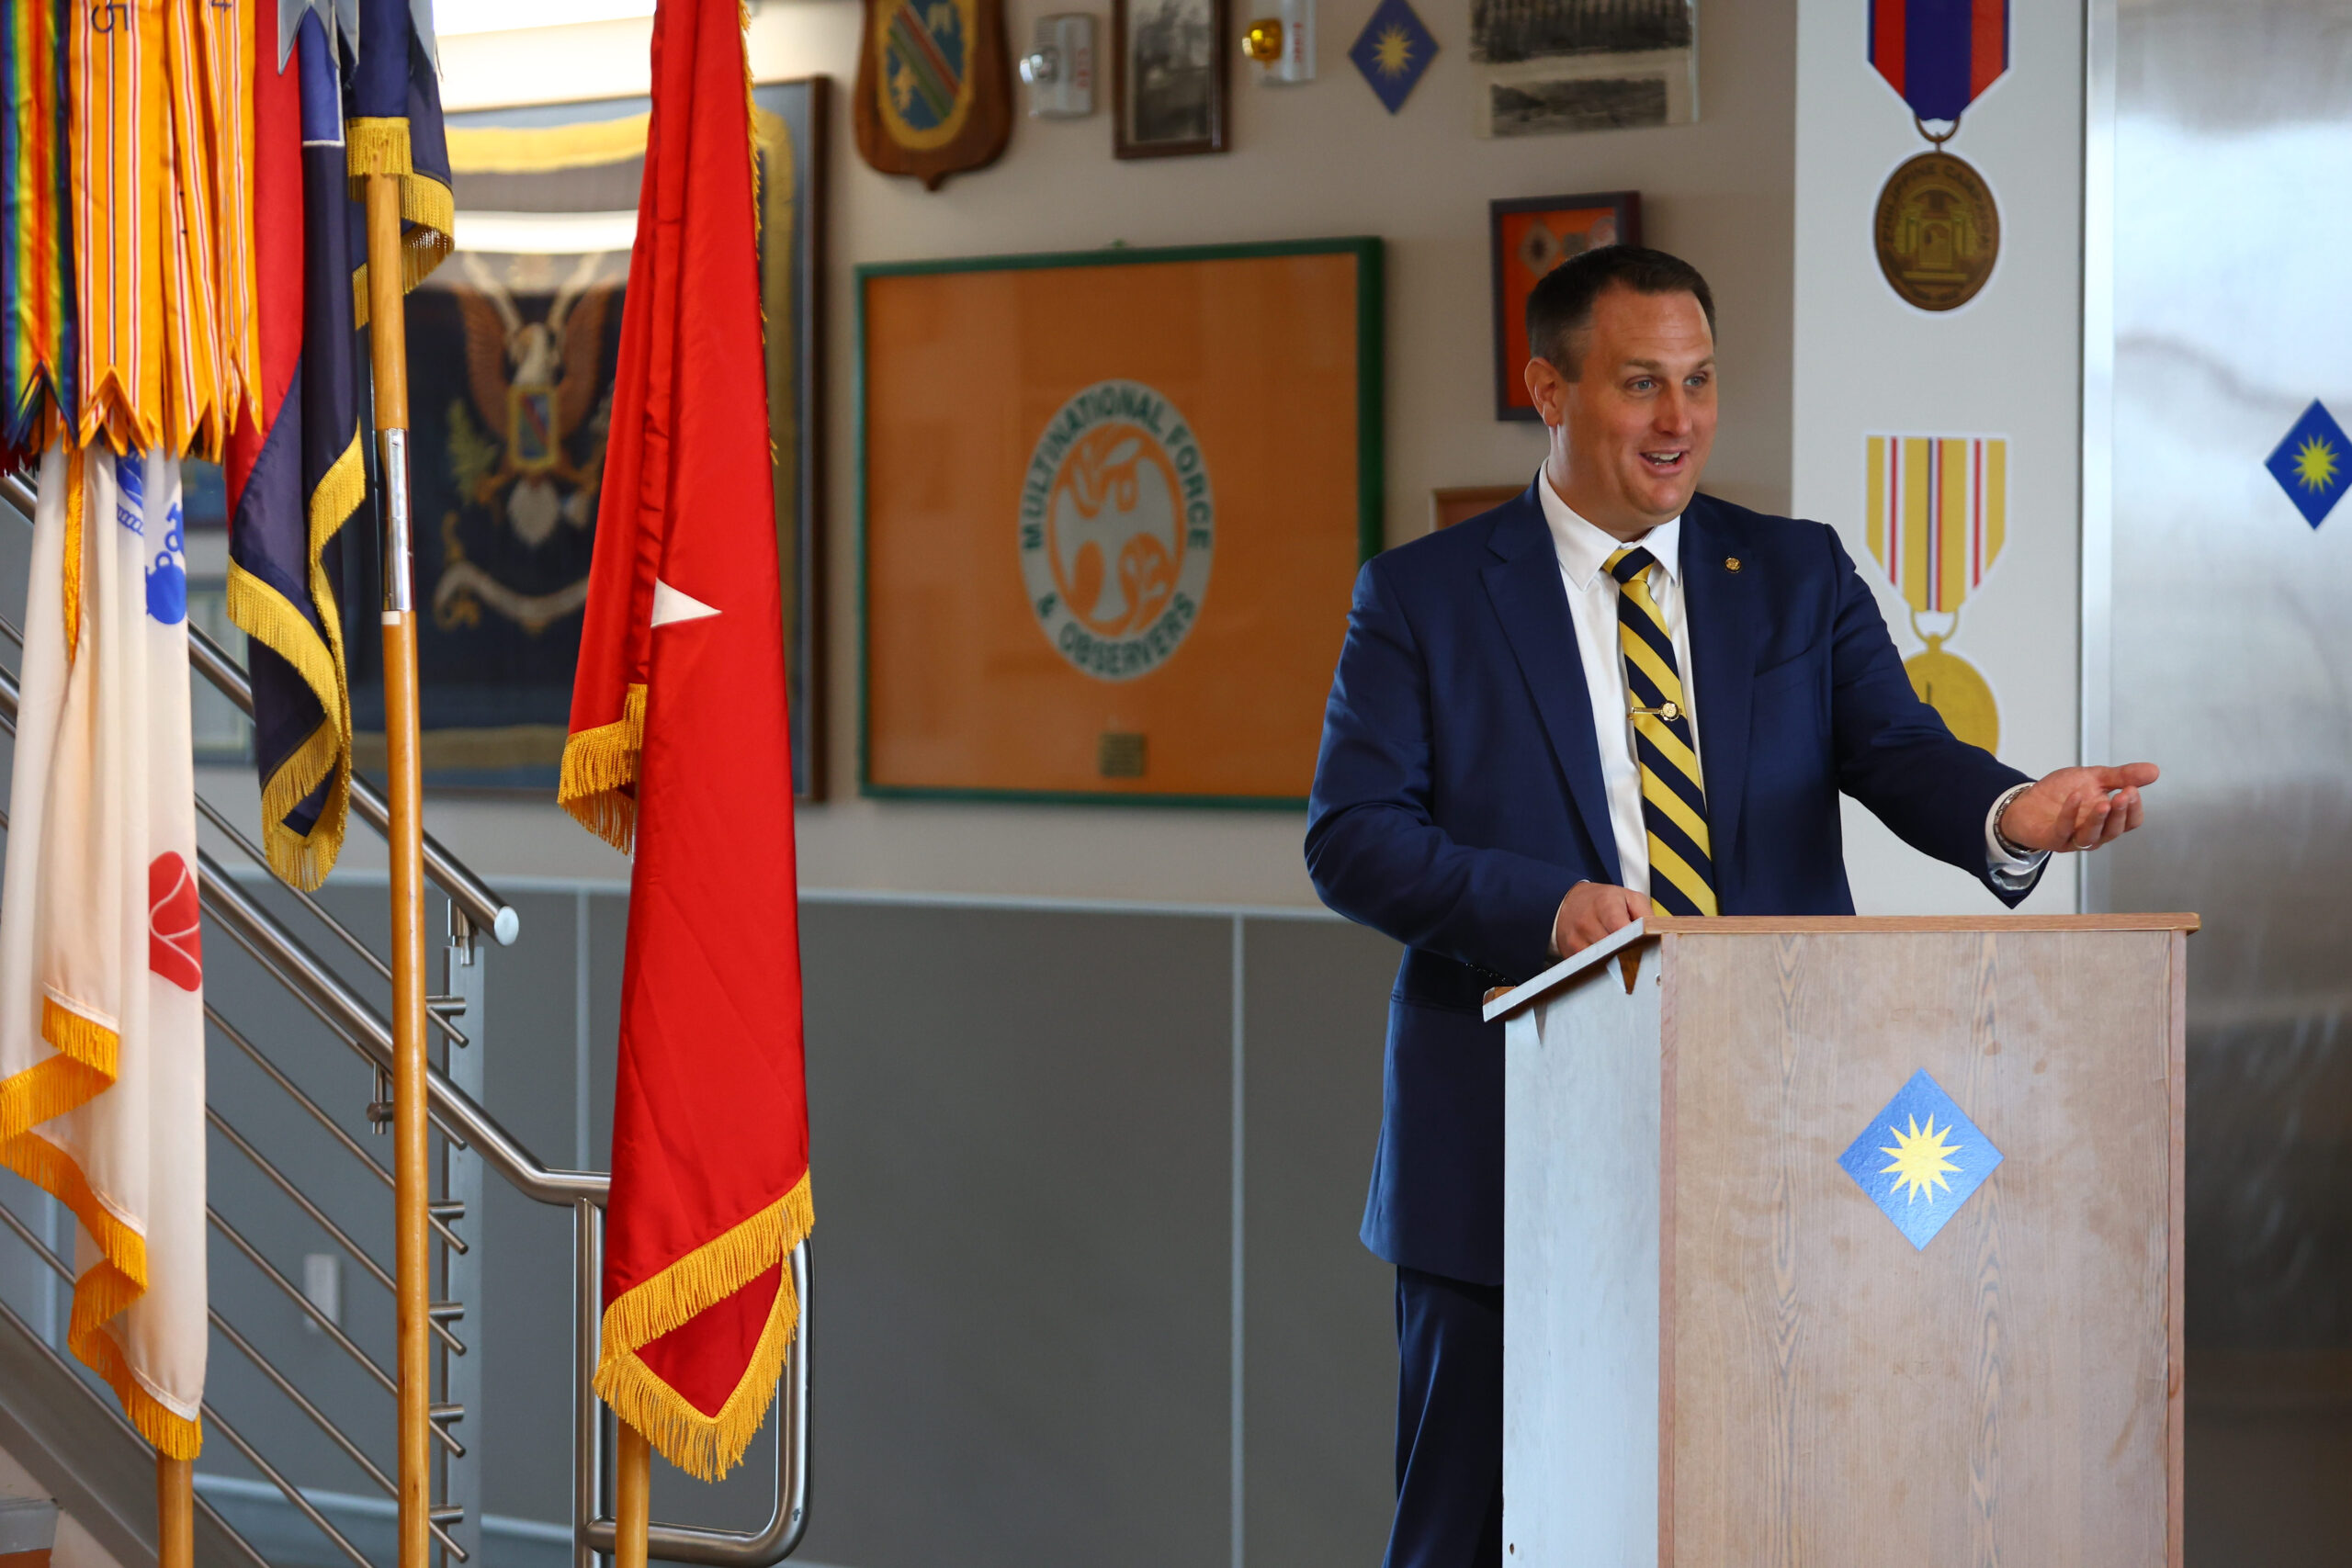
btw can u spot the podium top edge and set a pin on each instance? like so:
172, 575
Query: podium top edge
1751, 925
1500, 1002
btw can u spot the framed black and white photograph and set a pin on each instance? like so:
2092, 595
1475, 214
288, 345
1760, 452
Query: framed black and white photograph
1168, 77
1542, 67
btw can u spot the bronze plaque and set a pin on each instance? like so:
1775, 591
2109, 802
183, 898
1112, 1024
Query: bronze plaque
1938, 232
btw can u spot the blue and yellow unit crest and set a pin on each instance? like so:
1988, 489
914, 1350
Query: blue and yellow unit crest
1937, 510
1919, 1159
926, 68
1393, 51
935, 87
2312, 464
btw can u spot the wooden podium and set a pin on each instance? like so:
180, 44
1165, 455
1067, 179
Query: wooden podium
1722, 1350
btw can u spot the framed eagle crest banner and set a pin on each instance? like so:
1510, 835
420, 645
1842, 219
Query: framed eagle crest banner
1112, 506
511, 345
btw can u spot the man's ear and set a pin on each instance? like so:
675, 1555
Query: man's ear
1547, 389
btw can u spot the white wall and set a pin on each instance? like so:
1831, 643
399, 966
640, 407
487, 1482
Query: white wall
1314, 160
2005, 363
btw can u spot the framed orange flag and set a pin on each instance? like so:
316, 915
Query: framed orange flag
1112, 504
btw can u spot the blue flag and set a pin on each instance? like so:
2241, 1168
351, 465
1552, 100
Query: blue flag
305, 483
394, 128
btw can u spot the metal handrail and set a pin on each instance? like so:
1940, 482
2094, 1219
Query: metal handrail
292, 1493
106, 1407
593, 1531
318, 1114
320, 912
325, 1423
319, 1216
311, 906
309, 1308
469, 892
293, 965
58, 1267
470, 1125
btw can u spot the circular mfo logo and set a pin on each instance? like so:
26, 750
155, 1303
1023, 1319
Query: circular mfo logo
1117, 523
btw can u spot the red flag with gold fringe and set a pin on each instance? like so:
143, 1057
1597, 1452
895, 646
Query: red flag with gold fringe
679, 743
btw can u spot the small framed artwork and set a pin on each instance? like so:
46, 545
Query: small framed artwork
1168, 77
1461, 502
1529, 236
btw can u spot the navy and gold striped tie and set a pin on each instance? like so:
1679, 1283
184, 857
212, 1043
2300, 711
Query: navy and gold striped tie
1674, 798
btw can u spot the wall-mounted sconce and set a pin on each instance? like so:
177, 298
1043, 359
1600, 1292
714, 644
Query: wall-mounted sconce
1283, 43
1058, 70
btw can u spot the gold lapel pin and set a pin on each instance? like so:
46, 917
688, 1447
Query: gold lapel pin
1731, 563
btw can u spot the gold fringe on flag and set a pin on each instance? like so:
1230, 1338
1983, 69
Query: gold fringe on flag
599, 772
428, 210
71, 567
374, 146
304, 859
707, 1446
88, 1052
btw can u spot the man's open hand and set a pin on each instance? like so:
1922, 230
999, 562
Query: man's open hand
2077, 808
1593, 909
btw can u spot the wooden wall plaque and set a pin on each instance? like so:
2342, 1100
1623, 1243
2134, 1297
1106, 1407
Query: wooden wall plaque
935, 87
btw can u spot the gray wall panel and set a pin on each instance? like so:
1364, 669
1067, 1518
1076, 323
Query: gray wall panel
1322, 1331
521, 1330
1022, 1189
607, 947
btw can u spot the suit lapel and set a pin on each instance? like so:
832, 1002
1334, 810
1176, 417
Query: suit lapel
1722, 617
1534, 605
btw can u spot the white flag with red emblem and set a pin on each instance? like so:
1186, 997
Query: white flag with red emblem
101, 968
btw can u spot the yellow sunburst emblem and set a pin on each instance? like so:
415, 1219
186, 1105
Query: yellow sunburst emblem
1393, 51
1921, 1158
2316, 464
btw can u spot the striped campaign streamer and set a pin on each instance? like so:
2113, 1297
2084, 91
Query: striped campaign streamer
1674, 798
121, 192
38, 358
1938, 513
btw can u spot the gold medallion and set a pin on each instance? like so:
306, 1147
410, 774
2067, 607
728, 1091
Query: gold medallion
1938, 232
1951, 685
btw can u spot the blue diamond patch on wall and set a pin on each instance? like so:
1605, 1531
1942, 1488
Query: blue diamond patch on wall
2312, 464
1392, 51
1920, 1159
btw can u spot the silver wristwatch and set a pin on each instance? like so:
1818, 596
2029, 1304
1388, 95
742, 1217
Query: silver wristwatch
2009, 846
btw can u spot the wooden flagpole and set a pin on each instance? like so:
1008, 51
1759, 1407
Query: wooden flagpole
387, 344
632, 1497
174, 1513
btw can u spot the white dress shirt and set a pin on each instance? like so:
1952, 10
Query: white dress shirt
1582, 550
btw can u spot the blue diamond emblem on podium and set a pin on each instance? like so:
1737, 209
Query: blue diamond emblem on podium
2312, 464
1919, 1159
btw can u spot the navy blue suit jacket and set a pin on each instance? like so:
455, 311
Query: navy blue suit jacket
1458, 797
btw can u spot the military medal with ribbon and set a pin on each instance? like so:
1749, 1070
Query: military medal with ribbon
1937, 513
1937, 230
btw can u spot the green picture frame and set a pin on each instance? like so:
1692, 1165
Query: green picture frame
1369, 474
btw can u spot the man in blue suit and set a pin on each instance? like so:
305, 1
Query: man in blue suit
1610, 693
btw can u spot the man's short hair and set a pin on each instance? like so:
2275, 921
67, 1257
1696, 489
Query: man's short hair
1559, 308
